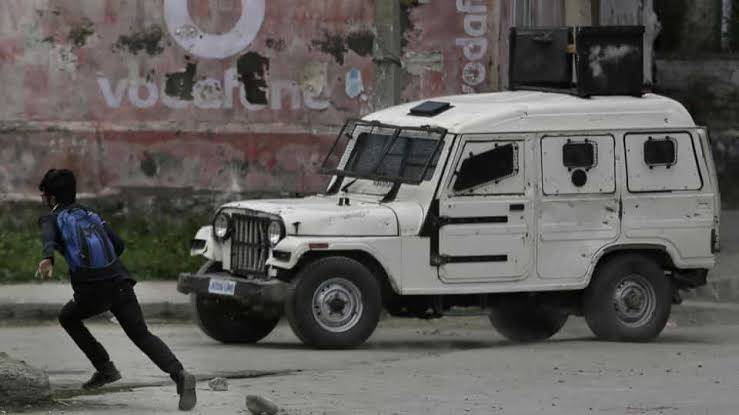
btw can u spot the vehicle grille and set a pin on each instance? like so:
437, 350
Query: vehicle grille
249, 245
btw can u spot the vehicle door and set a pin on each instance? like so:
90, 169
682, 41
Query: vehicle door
579, 205
485, 215
670, 195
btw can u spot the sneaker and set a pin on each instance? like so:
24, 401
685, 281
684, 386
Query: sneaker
101, 378
186, 389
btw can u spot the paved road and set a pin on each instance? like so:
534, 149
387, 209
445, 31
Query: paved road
451, 366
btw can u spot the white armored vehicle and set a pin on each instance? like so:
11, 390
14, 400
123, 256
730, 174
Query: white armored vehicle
532, 205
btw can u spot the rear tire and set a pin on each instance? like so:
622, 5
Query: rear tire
629, 299
525, 322
334, 303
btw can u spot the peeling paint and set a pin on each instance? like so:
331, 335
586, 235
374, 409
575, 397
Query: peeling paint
278, 45
63, 58
148, 165
179, 84
78, 34
333, 45
147, 39
252, 68
314, 78
416, 63
361, 42
208, 94
354, 84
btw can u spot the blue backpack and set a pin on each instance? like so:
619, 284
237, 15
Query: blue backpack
86, 244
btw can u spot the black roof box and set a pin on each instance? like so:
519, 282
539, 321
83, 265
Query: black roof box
430, 108
605, 60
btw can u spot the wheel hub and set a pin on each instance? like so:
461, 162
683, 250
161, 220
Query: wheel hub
634, 300
337, 305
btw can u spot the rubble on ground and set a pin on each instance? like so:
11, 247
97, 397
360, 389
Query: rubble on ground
21, 383
218, 384
258, 405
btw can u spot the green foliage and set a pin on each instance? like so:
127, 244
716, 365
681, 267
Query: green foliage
157, 245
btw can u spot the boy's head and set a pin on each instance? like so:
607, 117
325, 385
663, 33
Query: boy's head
58, 187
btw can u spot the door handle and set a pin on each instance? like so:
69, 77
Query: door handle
517, 207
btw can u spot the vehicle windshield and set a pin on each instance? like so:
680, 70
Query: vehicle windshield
385, 153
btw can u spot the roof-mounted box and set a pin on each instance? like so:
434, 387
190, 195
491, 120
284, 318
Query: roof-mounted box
605, 60
430, 108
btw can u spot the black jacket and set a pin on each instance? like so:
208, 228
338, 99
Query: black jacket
52, 240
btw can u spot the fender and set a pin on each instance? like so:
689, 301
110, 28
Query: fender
384, 250
204, 244
668, 250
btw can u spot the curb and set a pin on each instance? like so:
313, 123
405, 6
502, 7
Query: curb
39, 312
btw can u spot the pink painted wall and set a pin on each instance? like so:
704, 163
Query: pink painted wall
229, 95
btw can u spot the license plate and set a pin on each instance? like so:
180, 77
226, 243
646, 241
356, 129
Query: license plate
223, 287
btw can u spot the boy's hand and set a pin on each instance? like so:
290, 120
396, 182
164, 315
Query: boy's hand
45, 269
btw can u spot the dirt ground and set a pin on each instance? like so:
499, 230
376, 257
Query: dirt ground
449, 366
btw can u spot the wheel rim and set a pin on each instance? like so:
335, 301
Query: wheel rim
634, 300
337, 305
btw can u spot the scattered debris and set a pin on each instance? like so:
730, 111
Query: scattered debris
21, 383
258, 405
218, 384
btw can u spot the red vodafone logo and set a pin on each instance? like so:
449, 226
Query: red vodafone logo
190, 37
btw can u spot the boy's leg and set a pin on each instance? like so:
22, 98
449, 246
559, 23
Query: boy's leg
128, 312
71, 318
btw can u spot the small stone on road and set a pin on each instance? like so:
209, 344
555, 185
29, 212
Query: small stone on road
258, 405
218, 384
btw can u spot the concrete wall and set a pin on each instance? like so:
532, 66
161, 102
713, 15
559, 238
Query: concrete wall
227, 95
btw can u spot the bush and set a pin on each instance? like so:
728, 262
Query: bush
157, 244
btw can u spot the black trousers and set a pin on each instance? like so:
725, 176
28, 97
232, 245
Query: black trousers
119, 298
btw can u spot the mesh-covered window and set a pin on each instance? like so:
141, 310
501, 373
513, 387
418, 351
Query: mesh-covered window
406, 157
385, 153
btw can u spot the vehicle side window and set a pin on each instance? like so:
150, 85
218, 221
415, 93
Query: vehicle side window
578, 165
579, 155
661, 162
660, 152
489, 168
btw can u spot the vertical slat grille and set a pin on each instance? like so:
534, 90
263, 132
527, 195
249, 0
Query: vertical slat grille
249, 245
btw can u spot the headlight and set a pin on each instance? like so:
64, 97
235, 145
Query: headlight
275, 232
222, 226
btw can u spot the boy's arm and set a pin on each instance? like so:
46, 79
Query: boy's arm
118, 243
48, 237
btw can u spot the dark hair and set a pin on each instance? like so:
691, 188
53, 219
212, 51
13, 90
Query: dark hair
61, 184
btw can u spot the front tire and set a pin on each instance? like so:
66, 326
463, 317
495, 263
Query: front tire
523, 321
629, 299
228, 321
334, 303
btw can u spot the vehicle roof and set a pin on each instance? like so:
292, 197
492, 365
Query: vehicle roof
530, 111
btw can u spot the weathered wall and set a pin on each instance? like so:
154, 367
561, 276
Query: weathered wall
709, 88
692, 68
236, 95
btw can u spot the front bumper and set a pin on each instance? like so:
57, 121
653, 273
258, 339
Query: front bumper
252, 292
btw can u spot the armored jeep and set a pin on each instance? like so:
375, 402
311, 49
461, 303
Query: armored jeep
531, 205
